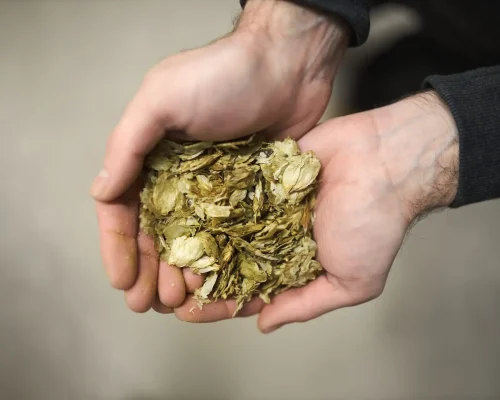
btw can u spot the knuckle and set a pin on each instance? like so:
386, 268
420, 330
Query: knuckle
370, 294
365, 293
378, 292
157, 91
153, 75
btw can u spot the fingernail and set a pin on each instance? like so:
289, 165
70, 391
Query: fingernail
100, 184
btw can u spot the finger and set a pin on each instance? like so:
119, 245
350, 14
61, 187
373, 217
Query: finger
161, 308
303, 304
140, 129
118, 238
217, 311
171, 287
192, 280
140, 296
314, 141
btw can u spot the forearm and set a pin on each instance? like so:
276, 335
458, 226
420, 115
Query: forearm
355, 14
309, 43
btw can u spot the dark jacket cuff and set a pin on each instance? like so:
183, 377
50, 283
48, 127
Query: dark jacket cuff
473, 98
356, 13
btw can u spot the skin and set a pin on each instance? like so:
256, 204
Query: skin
381, 169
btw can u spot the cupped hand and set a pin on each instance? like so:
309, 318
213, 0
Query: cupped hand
273, 74
380, 171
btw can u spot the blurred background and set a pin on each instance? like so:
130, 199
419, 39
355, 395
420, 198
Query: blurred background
67, 70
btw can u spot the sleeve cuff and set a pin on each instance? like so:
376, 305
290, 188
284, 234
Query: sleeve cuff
473, 98
356, 13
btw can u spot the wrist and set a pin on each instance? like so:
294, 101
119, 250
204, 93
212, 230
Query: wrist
420, 146
300, 42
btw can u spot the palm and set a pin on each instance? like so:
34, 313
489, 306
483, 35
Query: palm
359, 228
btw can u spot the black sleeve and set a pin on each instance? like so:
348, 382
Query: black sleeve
473, 98
356, 13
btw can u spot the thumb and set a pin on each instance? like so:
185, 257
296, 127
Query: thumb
303, 304
142, 126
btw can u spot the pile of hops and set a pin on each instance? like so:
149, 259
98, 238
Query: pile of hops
238, 212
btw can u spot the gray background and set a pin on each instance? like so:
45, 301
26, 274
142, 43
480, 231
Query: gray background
67, 69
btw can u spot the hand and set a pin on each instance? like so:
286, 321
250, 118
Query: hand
381, 170
274, 73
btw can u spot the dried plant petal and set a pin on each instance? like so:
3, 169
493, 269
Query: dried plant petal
185, 251
204, 264
300, 173
214, 211
237, 196
201, 294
